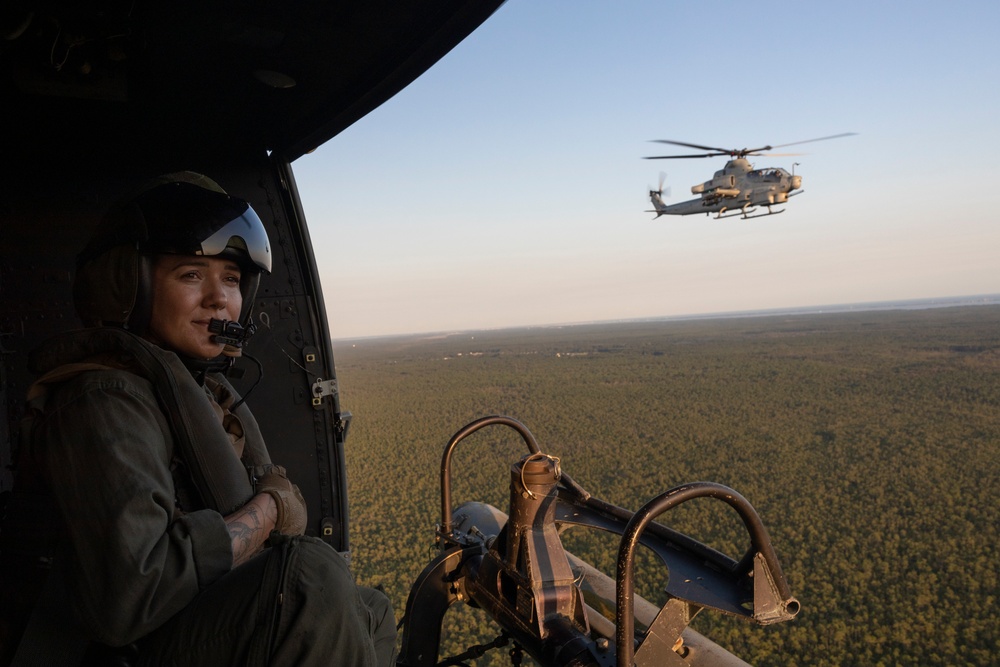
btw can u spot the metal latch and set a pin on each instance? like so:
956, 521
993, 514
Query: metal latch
323, 388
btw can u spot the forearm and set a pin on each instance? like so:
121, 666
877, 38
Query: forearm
250, 526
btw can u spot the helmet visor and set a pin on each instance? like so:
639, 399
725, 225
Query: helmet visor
250, 230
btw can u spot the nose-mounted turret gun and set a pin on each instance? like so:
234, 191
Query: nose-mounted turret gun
546, 600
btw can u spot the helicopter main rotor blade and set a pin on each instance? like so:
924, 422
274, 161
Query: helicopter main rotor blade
681, 143
807, 141
736, 152
674, 157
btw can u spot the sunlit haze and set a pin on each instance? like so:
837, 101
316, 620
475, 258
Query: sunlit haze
506, 186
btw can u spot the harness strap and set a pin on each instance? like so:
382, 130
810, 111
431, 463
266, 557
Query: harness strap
221, 479
39, 388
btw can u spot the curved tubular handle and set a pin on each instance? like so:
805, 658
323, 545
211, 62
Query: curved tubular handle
460, 435
625, 584
471, 428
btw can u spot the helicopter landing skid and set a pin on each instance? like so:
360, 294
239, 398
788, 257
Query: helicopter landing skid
763, 215
743, 213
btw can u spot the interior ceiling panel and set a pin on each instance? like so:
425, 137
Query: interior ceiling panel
280, 75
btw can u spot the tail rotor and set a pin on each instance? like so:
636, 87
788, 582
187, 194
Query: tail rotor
661, 191
656, 196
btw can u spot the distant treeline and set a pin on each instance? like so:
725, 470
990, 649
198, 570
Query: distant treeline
869, 443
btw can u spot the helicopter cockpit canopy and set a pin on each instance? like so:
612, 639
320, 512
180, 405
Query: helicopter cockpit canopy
772, 175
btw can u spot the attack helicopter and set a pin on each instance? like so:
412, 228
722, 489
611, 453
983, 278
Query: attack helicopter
737, 189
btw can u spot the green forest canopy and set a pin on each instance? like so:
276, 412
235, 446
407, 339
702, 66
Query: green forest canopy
867, 441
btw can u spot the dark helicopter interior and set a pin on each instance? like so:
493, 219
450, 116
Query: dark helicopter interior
102, 94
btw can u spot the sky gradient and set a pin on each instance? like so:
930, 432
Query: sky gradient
506, 186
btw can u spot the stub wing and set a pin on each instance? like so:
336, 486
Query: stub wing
689, 207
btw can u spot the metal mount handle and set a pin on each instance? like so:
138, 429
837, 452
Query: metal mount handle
775, 596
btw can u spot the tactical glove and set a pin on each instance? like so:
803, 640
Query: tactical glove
272, 480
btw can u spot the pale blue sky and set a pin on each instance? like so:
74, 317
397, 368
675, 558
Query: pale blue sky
505, 187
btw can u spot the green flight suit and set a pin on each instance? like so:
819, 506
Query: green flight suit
148, 562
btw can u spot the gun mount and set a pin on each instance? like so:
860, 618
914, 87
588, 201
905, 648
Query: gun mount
516, 569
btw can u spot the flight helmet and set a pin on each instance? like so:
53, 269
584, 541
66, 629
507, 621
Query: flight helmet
181, 213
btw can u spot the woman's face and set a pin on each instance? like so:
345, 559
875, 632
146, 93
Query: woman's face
188, 291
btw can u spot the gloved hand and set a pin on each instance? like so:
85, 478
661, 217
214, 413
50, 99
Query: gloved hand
273, 480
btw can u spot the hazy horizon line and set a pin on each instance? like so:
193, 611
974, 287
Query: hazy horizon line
893, 304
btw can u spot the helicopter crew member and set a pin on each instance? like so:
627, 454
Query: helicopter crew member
168, 546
